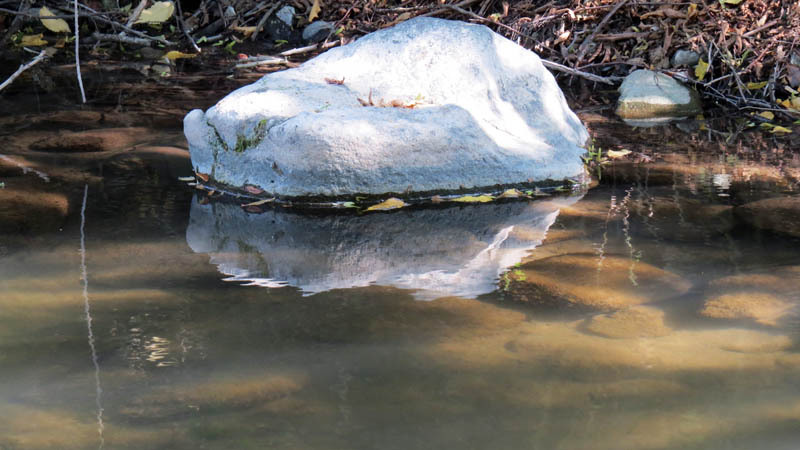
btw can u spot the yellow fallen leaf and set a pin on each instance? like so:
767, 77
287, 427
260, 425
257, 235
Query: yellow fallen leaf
785, 103
700, 70
33, 40
767, 115
401, 18
795, 102
392, 203
474, 199
172, 55
756, 86
780, 129
260, 202
614, 154
54, 25
314, 13
159, 12
247, 31
511, 193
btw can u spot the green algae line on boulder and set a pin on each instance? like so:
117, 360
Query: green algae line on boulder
645, 94
492, 116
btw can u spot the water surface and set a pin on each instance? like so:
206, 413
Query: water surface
652, 311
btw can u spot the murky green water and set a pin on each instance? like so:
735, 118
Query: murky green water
659, 310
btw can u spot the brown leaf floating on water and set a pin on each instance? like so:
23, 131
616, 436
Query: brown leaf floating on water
202, 176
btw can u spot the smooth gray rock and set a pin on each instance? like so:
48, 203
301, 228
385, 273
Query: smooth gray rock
486, 113
286, 15
279, 25
685, 58
645, 94
317, 31
439, 252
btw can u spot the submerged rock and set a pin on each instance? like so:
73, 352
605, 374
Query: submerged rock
101, 140
762, 307
766, 298
597, 282
634, 322
645, 94
781, 214
449, 105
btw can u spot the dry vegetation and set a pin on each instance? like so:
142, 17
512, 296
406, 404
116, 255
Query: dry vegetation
748, 49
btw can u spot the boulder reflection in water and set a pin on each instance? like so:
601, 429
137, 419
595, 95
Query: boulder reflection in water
451, 251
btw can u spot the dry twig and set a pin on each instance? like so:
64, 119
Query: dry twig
23, 68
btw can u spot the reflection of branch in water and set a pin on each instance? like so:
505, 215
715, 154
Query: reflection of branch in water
87, 311
677, 199
626, 228
601, 250
26, 169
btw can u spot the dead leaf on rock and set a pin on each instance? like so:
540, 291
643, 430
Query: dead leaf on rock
33, 40
334, 81
259, 202
616, 154
314, 13
392, 203
158, 13
511, 193
174, 54
474, 199
54, 25
253, 189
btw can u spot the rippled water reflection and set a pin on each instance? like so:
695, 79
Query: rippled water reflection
657, 311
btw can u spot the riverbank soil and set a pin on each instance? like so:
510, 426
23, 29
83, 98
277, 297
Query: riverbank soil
738, 54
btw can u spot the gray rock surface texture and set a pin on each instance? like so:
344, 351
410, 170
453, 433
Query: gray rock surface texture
317, 31
685, 58
438, 252
645, 94
486, 112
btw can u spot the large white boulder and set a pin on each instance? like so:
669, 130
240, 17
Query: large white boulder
486, 112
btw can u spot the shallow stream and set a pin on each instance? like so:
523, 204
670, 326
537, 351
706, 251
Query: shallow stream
658, 310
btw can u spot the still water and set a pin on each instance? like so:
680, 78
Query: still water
658, 310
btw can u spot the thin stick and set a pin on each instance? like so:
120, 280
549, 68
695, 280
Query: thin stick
128, 29
586, 43
77, 56
23, 68
263, 20
589, 76
121, 38
138, 11
182, 24
260, 63
310, 48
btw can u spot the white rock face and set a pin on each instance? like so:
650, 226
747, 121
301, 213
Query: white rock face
645, 94
486, 113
